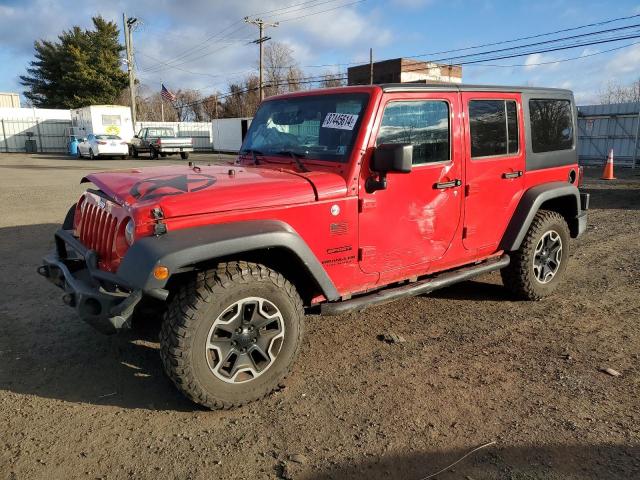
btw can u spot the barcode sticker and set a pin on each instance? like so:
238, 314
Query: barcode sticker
342, 121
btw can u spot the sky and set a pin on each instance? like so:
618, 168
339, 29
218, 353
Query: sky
205, 44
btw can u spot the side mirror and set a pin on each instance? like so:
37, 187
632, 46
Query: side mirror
389, 157
135, 136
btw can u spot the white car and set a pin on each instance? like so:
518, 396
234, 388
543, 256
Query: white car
102, 146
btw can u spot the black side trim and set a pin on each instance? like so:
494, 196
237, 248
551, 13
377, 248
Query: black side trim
418, 288
182, 248
530, 204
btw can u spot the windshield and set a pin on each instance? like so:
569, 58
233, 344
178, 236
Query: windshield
323, 127
160, 132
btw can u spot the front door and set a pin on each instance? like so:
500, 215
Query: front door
495, 162
413, 221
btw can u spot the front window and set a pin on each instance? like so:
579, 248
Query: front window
323, 127
423, 124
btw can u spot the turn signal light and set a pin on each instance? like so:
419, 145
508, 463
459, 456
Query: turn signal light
161, 272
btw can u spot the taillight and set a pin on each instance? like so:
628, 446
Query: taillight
102, 143
159, 141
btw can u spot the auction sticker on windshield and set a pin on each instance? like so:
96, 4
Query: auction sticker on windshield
343, 121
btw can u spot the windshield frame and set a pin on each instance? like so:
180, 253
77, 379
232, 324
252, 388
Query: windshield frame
303, 155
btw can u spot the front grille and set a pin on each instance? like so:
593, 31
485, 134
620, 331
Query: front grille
97, 230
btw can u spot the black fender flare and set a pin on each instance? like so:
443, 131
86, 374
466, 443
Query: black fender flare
182, 248
530, 203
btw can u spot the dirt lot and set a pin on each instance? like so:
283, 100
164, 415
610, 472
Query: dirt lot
476, 367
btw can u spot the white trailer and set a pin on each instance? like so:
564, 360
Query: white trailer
228, 133
103, 119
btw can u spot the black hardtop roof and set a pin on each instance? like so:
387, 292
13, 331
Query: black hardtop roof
461, 87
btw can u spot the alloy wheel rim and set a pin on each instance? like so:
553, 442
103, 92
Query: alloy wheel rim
547, 257
245, 339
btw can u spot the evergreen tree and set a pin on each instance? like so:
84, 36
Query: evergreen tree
82, 68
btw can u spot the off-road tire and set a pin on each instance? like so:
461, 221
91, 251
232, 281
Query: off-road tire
519, 276
191, 314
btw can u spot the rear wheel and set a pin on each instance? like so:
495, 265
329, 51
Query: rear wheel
538, 267
231, 334
184, 155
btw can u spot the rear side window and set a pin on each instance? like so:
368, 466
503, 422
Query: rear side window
551, 125
423, 124
493, 128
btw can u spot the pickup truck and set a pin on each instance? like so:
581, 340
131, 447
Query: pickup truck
341, 199
160, 141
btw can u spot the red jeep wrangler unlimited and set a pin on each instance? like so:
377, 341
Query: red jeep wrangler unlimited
340, 199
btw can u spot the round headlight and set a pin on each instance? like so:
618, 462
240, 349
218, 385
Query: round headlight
130, 231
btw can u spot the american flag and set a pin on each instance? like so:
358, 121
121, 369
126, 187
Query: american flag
167, 95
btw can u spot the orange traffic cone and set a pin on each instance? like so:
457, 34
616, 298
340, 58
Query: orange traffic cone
607, 173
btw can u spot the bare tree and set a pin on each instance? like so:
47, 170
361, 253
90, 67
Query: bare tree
615, 92
211, 107
282, 72
242, 99
331, 80
188, 105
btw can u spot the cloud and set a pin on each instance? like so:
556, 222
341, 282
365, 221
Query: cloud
624, 62
205, 43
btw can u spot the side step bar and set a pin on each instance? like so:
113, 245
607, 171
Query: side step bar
418, 288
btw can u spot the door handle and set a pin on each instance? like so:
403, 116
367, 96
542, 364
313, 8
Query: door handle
443, 185
512, 174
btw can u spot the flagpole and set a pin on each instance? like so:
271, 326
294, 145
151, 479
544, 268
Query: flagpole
161, 103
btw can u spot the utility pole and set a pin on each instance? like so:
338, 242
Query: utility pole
261, 39
371, 66
128, 42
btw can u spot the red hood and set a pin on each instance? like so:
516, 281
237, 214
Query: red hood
182, 190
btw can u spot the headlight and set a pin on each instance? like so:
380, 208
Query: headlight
130, 231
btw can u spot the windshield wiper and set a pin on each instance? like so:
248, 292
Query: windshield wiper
254, 154
296, 156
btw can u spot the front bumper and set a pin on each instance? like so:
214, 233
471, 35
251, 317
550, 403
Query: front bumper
177, 149
100, 298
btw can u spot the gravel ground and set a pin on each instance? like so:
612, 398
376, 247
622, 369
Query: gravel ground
476, 367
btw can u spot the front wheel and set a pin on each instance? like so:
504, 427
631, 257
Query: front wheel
538, 266
184, 155
153, 153
231, 334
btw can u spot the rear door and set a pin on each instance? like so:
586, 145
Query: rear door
495, 162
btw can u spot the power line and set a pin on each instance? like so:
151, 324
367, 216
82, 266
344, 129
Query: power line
555, 61
322, 11
501, 42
